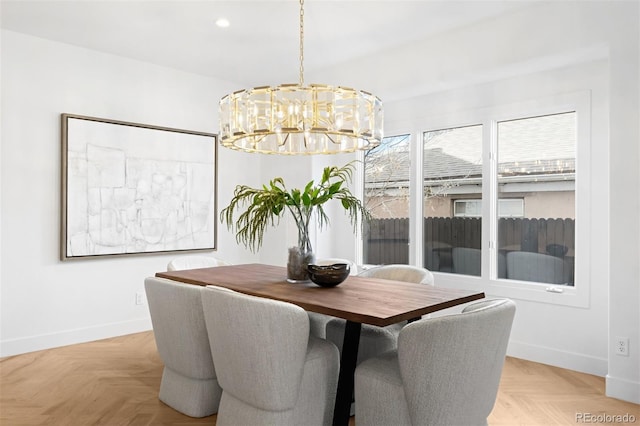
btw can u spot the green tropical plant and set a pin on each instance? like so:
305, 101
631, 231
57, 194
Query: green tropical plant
268, 204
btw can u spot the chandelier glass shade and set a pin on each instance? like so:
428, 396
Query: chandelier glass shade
294, 119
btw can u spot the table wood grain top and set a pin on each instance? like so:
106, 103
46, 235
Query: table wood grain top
364, 300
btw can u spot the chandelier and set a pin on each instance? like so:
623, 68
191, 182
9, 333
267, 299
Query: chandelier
292, 119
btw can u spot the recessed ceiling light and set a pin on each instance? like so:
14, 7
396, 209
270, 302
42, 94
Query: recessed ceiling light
223, 22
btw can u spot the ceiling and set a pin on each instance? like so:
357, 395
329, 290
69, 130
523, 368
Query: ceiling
260, 47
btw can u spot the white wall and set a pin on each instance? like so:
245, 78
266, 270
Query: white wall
335, 240
1, 203
46, 302
578, 340
296, 172
544, 50
623, 377
338, 238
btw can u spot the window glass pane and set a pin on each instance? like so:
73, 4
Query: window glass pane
511, 207
453, 171
507, 207
467, 208
536, 163
386, 195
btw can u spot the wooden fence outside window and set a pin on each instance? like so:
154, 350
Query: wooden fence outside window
387, 241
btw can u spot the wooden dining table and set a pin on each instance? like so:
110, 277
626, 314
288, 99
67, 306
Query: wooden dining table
358, 300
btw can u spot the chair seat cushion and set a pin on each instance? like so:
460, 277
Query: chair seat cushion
373, 340
318, 324
381, 384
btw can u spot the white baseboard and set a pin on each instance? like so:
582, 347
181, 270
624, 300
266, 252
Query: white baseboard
563, 359
623, 389
616, 387
71, 337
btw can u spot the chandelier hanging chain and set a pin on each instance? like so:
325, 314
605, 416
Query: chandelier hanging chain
301, 42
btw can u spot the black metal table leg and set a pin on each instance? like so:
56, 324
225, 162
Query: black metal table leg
347, 369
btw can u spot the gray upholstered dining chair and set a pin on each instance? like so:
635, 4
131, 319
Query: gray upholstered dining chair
538, 267
271, 370
446, 370
467, 261
375, 340
189, 383
193, 262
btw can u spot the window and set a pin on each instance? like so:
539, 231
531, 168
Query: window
511, 207
537, 160
467, 208
494, 199
507, 207
386, 195
452, 161
535, 169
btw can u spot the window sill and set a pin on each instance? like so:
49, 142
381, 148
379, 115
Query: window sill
536, 292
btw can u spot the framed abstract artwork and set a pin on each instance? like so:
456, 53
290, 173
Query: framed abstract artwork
131, 188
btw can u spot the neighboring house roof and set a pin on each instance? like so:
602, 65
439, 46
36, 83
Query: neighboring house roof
528, 148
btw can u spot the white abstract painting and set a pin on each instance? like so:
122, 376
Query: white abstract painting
131, 188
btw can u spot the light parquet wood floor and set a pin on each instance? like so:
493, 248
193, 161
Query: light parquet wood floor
115, 382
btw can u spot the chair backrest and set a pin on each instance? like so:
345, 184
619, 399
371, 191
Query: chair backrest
179, 327
194, 262
537, 267
468, 261
408, 273
451, 365
260, 349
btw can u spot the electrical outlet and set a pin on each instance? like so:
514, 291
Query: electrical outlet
622, 346
139, 298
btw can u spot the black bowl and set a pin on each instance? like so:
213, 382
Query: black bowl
328, 275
